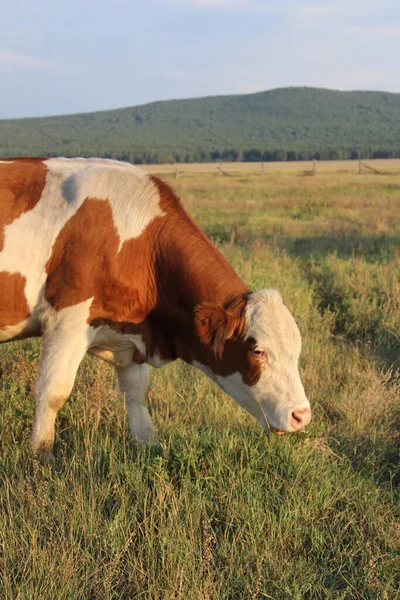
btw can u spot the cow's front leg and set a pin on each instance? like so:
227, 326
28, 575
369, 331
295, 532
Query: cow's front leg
133, 382
66, 337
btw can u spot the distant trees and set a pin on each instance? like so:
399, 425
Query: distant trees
287, 124
225, 155
194, 154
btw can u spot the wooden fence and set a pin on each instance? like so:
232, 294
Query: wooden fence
263, 169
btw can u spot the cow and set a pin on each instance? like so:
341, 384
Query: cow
100, 256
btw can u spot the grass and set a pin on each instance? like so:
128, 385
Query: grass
248, 169
226, 513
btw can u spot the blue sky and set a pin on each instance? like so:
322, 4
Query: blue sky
68, 56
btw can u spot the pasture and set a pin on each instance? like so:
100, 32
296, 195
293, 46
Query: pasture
225, 512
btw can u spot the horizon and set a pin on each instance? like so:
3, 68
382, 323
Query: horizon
117, 108
83, 56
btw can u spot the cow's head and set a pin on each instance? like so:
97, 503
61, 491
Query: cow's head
256, 346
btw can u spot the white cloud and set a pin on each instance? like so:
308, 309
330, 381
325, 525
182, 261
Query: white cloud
226, 4
342, 9
247, 6
370, 78
13, 60
205, 3
171, 74
310, 10
359, 79
383, 31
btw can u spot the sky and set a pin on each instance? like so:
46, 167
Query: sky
71, 56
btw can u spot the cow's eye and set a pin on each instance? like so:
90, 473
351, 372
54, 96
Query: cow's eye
259, 352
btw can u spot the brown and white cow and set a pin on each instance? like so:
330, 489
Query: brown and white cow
98, 256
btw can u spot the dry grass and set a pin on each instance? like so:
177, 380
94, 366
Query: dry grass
390, 166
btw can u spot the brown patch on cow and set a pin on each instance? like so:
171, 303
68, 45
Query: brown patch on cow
152, 285
86, 263
239, 358
216, 324
22, 181
222, 329
187, 261
14, 307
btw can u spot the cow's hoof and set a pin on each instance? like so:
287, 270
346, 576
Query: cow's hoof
43, 452
156, 449
149, 449
45, 457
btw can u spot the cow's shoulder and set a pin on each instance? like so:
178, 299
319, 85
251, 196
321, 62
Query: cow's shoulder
22, 181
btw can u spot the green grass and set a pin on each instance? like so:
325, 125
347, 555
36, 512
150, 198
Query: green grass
226, 512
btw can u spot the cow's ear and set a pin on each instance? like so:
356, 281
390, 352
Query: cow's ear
214, 325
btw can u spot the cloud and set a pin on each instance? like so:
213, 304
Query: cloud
218, 4
342, 8
358, 79
311, 10
17, 34
246, 6
382, 31
12, 61
370, 78
171, 74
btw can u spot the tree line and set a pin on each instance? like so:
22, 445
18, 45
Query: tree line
277, 125
236, 155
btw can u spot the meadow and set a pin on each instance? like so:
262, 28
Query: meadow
225, 512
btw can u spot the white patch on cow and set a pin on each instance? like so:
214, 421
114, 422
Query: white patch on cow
133, 382
118, 348
158, 362
110, 356
133, 379
279, 391
204, 369
66, 338
134, 198
115, 347
6, 162
66, 329
235, 387
28, 327
29, 239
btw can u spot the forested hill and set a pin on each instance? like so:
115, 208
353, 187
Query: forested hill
287, 123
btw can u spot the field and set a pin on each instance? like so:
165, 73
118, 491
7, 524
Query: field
391, 167
224, 512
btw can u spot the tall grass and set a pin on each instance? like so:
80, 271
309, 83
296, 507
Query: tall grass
226, 512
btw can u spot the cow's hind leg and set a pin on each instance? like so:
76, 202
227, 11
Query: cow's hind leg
134, 382
66, 337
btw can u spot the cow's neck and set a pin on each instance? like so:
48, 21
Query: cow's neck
188, 271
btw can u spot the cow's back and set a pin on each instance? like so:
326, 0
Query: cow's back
38, 198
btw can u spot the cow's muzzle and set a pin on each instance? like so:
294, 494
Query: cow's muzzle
299, 418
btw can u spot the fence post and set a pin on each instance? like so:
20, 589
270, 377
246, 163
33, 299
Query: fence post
359, 167
176, 174
314, 167
262, 169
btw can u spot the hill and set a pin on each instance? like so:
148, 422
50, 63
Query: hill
280, 124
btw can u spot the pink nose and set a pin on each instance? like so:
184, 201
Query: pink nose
299, 418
